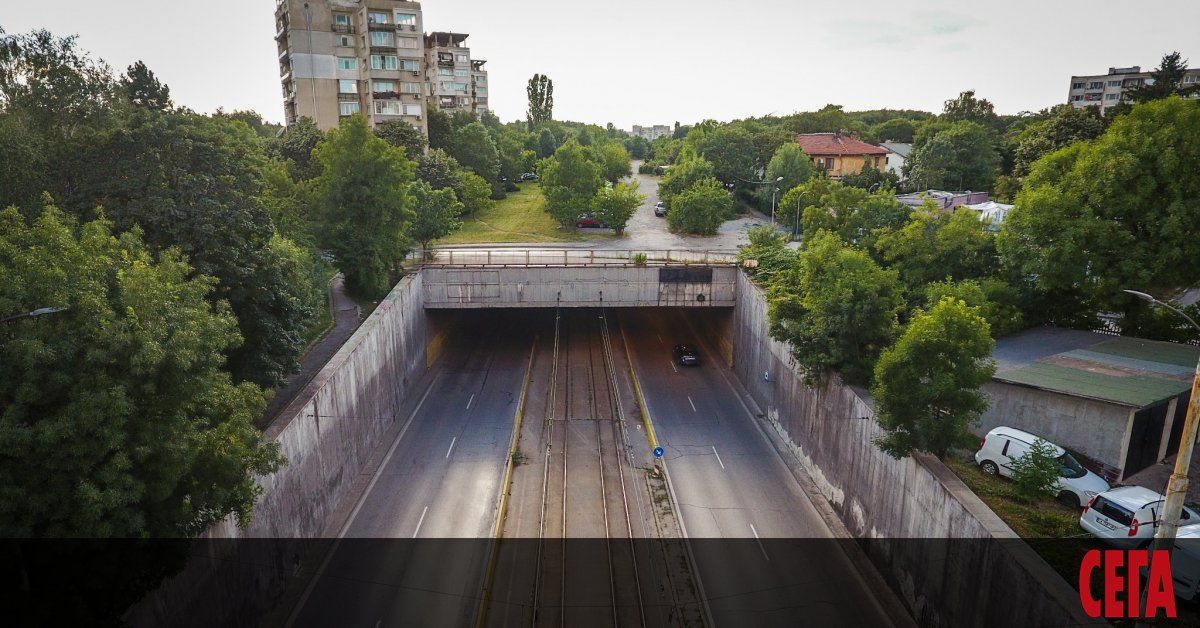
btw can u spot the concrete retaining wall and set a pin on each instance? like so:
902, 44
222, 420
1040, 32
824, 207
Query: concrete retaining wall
903, 510
327, 434
572, 286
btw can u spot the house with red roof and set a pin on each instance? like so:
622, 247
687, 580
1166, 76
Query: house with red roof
840, 155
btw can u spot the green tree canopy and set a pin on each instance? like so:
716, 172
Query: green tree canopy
473, 148
894, 130
615, 205
476, 193
363, 205
440, 129
967, 107
143, 89
700, 209
296, 146
440, 170
1118, 212
116, 417
616, 161
789, 162
927, 385
569, 181
1166, 80
854, 215
996, 301
540, 92
731, 151
401, 134
769, 250
682, 176
935, 244
436, 213
837, 308
960, 156
1067, 125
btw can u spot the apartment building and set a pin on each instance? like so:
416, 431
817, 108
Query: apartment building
340, 57
1106, 90
454, 81
652, 132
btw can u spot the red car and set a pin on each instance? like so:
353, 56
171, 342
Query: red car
587, 220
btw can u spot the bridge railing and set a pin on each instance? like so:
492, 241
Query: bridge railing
569, 257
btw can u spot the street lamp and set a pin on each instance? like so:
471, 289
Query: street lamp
773, 192
1177, 486
796, 227
872, 188
41, 311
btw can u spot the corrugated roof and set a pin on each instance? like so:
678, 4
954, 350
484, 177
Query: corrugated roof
1135, 391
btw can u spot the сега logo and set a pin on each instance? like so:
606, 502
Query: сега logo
1122, 573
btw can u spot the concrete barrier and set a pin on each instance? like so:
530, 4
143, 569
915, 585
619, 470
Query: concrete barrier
952, 560
327, 433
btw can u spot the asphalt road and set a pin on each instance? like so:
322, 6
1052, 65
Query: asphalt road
731, 484
440, 481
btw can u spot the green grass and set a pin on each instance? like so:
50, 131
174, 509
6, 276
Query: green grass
323, 321
521, 217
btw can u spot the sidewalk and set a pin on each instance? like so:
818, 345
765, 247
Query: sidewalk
345, 320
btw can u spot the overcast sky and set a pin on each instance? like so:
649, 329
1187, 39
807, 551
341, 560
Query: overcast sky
656, 62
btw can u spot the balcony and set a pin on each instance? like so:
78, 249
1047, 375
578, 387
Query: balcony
385, 95
380, 26
347, 97
282, 31
382, 49
343, 28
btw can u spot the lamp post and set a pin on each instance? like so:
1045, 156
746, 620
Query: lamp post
41, 311
1177, 486
773, 192
796, 227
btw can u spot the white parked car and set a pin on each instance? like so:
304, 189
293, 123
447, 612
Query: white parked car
1003, 445
1128, 516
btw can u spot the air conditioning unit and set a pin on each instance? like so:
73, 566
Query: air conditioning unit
412, 27
416, 73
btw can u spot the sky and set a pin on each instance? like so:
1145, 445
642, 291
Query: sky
657, 61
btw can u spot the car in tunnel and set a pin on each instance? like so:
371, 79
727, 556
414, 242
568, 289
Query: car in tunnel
686, 355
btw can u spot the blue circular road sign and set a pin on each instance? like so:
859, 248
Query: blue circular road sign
658, 452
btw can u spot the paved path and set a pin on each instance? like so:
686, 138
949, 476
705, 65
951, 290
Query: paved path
345, 320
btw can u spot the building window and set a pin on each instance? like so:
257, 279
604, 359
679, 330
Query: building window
408, 42
461, 58
406, 18
446, 86
481, 80
348, 108
1110, 96
375, 17
347, 86
1114, 83
384, 86
410, 64
1096, 85
481, 91
1191, 78
1076, 85
829, 163
341, 19
1077, 98
347, 63
461, 72
460, 87
410, 109
445, 72
410, 88
387, 107
345, 41
384, 62
383, 38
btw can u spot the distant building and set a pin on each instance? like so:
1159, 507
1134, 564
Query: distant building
991, 212
455, 81
1106, 90
897, 154
839, 155
944, 200
652, 132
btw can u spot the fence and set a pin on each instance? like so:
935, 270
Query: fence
568, 257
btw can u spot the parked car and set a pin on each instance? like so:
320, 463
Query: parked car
528, 176
686, 355
589, 221
1003, 445
660, 209
1128, 516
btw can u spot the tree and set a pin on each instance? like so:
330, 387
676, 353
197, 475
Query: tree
1118, 212
1067, 125
894, 130
869, 177
440, 170
935, 245
476, 193
118, 419
683, 175
731, 151
769, 250
401, 134
546, 143
569, 181
540, 91
363, 205
927, 385
473, 148
967, 107
837, 308
995, 300
53, 85
700, 209
857, 217
143, 89
436, 213
440, 129
788, 162
615, 205
1165, 80
616, 162
961, 156
1036, 472
296, 147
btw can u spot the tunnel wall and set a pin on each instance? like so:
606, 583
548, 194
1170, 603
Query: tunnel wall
327, 433
903, 511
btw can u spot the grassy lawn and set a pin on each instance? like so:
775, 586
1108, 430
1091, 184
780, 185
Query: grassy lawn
521, 217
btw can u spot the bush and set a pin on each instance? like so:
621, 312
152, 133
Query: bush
639, 259
1035, 473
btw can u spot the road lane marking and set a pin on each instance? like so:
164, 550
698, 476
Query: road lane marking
378, 623
692, 404
470, 400
422, 520
718, 458
672, 363
451, 447
760, 545
660, 340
